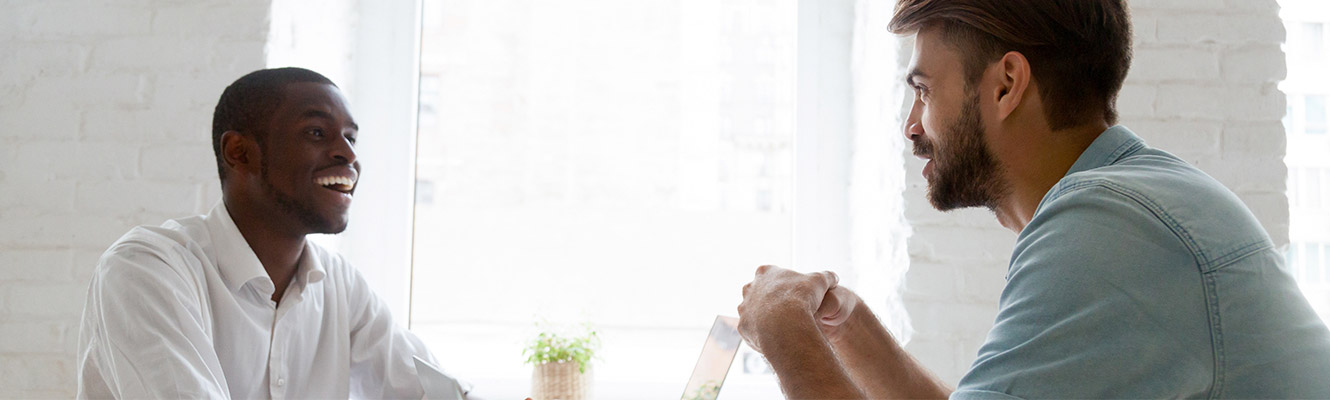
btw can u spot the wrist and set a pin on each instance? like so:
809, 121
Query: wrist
786, 339
785, 318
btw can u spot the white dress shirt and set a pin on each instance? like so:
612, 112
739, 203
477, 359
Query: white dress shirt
185, 310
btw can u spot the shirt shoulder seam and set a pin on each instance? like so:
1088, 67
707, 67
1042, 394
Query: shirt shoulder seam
1198, 255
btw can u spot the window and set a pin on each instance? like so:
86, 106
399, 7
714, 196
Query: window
626, 164
1315, 111
1305, 187
1308, 254
1312, 262
1312, 41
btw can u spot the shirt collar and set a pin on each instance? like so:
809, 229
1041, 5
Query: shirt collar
236, 262
1107, 149
311, 265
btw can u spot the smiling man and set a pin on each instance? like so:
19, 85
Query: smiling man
1135, 275
238, 303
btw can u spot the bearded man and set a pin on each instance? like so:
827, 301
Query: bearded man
1135, 275
238, 303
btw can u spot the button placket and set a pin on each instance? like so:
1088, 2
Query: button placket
277, 360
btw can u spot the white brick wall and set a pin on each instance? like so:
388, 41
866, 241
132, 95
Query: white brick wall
1203, 86
105, 113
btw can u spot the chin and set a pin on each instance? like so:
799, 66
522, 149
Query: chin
323, 223
333, 226
948, 195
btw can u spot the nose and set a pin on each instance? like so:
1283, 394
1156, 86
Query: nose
343, 149
914, 128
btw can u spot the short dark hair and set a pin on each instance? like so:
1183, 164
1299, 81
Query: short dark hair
1079, 50
249, 102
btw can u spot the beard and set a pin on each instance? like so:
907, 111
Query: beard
309, 218
965, 171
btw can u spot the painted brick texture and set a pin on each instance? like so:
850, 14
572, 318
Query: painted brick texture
106, 109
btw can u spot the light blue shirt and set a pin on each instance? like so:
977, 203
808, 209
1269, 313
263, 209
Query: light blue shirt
1142, 277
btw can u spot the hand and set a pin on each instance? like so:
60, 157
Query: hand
777, 298
837, 305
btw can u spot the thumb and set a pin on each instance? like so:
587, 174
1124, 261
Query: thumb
836, 306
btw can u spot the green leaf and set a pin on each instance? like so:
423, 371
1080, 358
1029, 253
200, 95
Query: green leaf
550, 347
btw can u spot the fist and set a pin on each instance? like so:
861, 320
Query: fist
836, 306
778, 298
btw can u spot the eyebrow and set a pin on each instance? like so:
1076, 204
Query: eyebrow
910, 78
325, 115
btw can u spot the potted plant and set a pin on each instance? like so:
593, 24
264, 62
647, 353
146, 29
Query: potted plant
562, 365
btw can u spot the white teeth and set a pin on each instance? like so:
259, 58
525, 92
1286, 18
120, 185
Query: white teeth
336, 180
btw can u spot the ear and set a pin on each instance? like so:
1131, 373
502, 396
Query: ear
240, 153
1014, 79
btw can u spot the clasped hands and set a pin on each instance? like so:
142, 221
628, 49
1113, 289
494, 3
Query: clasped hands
778, 297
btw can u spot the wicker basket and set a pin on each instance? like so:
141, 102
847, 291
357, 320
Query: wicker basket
560, 381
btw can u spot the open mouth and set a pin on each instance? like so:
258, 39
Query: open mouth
342, 184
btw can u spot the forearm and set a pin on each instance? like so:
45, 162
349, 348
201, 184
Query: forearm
806, 363
877, 363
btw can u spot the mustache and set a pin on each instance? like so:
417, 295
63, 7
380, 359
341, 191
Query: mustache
923, 147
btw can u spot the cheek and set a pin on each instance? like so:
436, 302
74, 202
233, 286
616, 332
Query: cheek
933, 118
934, 124
281, 172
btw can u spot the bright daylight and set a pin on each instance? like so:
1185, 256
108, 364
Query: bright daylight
622, 164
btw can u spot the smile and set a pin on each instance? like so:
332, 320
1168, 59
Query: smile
342, 184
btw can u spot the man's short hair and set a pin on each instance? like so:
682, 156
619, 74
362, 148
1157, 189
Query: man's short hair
1079, 50
248, 103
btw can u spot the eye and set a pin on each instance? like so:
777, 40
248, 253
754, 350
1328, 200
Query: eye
920, 91
315, 132
351, 138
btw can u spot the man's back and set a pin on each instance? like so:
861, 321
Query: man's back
1140, 276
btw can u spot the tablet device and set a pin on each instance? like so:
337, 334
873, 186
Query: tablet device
714, 363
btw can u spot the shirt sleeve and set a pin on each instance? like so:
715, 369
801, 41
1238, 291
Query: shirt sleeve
144, 333
1102, 300
382, 352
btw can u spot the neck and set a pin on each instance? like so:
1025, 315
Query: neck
278, 251
1041, 159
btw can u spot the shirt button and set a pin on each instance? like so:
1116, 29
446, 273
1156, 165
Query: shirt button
281, 381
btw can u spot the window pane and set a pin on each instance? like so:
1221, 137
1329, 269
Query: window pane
1293, 185
1313, 40
1323, 187
625, 163
1315, 115
1311, 188
1291, 261
1319, 267
1308, 137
